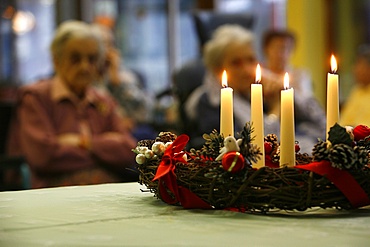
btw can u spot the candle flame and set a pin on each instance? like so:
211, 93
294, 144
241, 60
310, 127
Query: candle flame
286, 80
258, 73
333, 64
224, 79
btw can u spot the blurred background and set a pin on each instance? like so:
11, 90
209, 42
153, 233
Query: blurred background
156, 37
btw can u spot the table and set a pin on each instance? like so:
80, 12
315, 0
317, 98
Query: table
122, 215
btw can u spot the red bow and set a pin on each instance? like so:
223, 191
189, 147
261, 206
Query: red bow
342, 179
167, 177
173, 154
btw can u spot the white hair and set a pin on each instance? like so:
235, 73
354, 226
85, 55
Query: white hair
69, 30
222, 38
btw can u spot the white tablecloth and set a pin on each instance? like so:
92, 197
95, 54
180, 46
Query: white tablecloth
122, 215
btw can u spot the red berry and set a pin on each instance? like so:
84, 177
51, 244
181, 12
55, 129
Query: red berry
360, 132
297, 147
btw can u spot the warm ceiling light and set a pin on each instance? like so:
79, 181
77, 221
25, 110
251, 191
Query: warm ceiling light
23, 22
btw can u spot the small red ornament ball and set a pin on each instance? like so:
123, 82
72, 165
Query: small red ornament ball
360, 132
297, 148
233, 162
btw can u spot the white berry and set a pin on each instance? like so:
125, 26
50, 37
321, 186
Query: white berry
158, 148
142, 150
140, 159
149, 154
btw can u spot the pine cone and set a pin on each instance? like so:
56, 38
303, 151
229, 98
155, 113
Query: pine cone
342, 156
276, 156
362, 157
213, 140
303, 158
272, 138
320, 151
213, 143
166, 137
145, 143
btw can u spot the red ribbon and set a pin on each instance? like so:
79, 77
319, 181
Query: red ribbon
343, 180
167, 177
269, 163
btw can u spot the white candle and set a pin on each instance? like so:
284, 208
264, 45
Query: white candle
257, 116
226, 114
287, 134
332, 99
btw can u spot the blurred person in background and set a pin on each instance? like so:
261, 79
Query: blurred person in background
126, 86
68, 132
278, 47
355, 110
231, 48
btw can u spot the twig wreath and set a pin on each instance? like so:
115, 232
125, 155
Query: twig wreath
335, 175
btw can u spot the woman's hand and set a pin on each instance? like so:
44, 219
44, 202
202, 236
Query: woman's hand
75, 140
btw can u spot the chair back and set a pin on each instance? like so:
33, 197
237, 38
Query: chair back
14, 172
208, 21
6, 110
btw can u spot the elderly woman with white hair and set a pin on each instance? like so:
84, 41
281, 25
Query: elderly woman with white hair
231, 48
68, 132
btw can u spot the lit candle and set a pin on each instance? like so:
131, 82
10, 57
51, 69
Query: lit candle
257, 116
287, 135
332, 99
226, 114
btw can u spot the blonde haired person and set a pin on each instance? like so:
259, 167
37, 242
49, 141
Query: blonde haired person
68, 132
